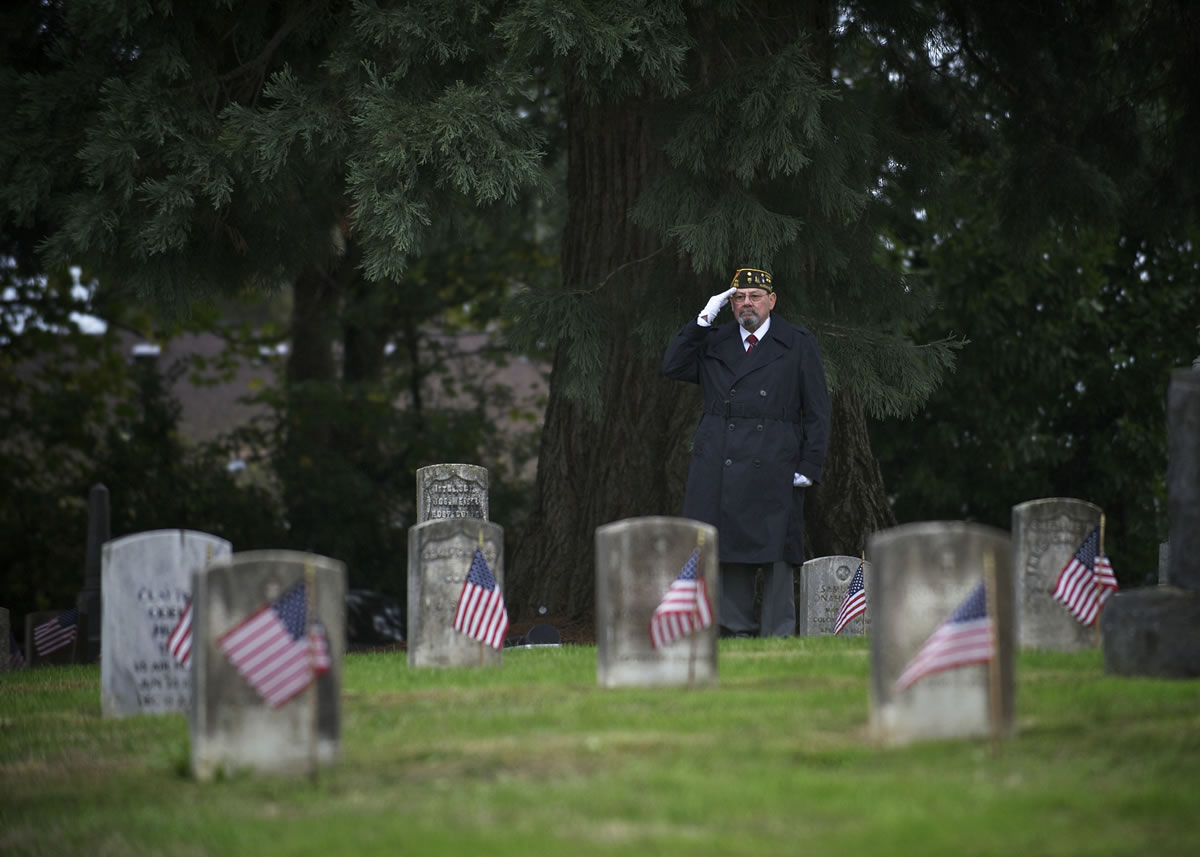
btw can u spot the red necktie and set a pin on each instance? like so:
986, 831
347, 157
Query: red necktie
750, 342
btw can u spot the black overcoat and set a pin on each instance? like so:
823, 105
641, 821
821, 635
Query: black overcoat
766, 416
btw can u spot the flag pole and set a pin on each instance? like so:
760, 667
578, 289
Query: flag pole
480, 643
310, 608
699, 583
1099, 553
995, 706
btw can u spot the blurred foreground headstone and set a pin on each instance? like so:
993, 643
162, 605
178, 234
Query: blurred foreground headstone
942, 637
268, 646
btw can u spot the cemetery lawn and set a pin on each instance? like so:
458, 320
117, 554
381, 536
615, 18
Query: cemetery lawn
534, 759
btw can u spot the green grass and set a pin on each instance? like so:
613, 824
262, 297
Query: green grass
534, 759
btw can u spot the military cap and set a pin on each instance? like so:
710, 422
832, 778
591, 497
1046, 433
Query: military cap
752, 278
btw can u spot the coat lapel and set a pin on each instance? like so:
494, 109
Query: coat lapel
771, 348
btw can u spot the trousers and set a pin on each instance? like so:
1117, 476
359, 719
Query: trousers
737, 613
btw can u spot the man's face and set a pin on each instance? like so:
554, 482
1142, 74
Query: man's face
752, 306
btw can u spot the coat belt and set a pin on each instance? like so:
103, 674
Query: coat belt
751, 412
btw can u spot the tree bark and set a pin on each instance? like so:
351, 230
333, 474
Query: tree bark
626, 462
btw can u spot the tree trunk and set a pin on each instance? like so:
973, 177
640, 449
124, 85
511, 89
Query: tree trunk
626, 462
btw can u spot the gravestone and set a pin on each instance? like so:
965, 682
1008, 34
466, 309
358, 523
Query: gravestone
823, 585
637, 561
922, 574
242, 717
452, 491
5, 645
440, 553
89, 600
1155, 630
1164, 562
147, 580
1045, 534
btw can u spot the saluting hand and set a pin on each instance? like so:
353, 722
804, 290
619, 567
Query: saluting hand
713, 307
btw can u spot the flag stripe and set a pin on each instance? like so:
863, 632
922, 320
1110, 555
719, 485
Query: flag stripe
180, 642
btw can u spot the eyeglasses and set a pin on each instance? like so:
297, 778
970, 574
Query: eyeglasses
753, 297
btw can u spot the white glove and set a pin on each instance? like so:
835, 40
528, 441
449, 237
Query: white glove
799, 481
713, 307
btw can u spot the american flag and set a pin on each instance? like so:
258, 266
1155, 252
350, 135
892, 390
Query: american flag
684, 609
16, 660
1086, 580
179, 644
275, 650
58, 633
855, 603
481, 613
965, 638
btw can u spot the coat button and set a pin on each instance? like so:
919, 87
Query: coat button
733, 391
762, 393
758, 427
731, 426
757, 463
728, 461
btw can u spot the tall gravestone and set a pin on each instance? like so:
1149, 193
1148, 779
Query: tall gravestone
5, 630
922, 573
452, 491
1155, 630
89, 601
147, 580
1046, 533
824, 582
637, 560
241, 717
440, 553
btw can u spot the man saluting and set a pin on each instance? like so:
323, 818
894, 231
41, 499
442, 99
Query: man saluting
760, 443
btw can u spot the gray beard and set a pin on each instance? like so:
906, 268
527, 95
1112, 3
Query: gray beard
749, 320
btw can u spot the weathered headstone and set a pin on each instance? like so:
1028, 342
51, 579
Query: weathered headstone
452, 491
922, 574
1045, 534
440, 553
281, 714
5, 631
89, 599
147, 579
1155, 630
824, 582
637, 561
